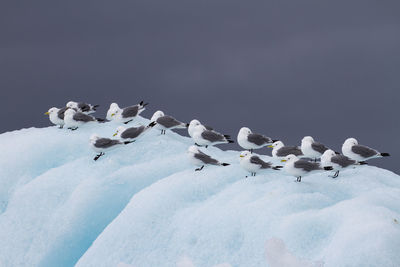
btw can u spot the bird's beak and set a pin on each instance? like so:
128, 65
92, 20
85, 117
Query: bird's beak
283, 160
271, 146
241, 156
46, 113
113, 114
115, 134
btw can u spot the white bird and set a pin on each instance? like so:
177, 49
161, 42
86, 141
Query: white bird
249, 140
127, 114
279, 150
312, 149
132, 133
82, 107
193, 124
300, 167
204, 137
199, 158
353, 150
101, 144
165, 122
253, 164
56, 116
74, 119
337, 161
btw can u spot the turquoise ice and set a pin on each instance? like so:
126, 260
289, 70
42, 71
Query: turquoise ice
143, 205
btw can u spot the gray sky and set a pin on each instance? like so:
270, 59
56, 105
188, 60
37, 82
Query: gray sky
329, 69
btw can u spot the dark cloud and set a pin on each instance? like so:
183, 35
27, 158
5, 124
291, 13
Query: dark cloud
287, 68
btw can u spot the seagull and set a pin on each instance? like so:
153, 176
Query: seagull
312, 149
300, 167
56, 117
353, 150
101, 144
82, 107
199, 158
165, 122
204, 137
126, 115
338, 162
73, 119
193, 124
249, 141
132, 133
253, 163
279, 150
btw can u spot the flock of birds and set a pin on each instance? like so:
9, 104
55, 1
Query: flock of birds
310, 157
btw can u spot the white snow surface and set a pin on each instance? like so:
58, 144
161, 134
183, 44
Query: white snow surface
143, 205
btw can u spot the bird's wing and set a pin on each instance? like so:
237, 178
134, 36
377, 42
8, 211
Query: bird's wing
79, 116
106, 142
364, 151
258, 139
131, 111
307, 165
168, 121
342, 160
258, 161
321, 148
206, 158
212, 136
287, 150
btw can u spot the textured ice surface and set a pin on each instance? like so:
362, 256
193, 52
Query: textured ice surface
143, 205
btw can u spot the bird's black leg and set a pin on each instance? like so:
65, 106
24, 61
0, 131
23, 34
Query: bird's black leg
98, 156
199, 169
128, 122
251, 150
197, 144
298, 179
60, 126
206, 146
73, 129
336, 174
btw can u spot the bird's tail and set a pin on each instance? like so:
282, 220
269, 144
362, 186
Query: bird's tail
277, 168
385, 154
275, 140
186, 125
225, 164
328, 168
362, 163
151, 124
95, 106
230, 141
128, 142
142, 104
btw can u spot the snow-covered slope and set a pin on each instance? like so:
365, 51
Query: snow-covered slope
144, 205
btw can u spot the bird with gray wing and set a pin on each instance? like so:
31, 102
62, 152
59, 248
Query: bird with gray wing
300, 167
132, 133
353, 150
249, 140
166, 122
82, 107
337, 161
312, 149
253, 163
204, 137
279, 150
74, 119
127, 114
101, 145
199, 158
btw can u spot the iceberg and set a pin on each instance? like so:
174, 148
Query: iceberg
144, 205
